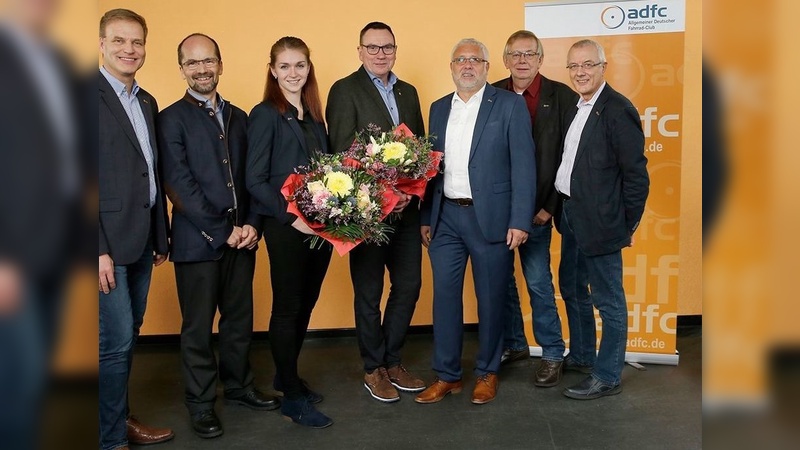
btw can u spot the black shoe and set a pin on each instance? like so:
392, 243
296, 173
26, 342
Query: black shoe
206, 424
256, 400
311, 396
510, 355
570, 366
592, 388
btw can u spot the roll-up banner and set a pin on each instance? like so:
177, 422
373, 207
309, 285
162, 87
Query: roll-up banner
644, 46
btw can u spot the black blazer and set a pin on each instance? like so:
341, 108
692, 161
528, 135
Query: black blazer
609, 183
276, 146
204, 177
549, 128
126, 220
354, 102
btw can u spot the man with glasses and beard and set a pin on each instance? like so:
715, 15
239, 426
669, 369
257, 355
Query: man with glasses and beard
214, 235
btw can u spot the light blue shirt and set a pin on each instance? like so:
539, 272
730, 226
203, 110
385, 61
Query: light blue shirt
387, 94
130, 103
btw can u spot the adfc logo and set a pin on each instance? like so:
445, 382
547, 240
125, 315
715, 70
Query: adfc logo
613, 17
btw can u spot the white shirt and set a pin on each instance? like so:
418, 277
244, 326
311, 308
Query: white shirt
573, 138
458, 142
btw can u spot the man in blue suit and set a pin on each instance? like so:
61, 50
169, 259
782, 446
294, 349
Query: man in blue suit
479, 208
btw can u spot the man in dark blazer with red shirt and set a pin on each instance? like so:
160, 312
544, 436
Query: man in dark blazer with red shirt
133, 220
547, 101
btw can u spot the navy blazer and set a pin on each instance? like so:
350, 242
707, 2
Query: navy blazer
609, 183
354, 102
502, 167
276, 147
204, 177
549, 128
126, 221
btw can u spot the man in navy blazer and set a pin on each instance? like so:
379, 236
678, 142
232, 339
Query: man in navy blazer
203, 139
133, 220
604, 182
479, 208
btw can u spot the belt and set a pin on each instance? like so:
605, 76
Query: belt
460, 201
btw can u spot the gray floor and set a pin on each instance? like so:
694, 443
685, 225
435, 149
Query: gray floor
659, 407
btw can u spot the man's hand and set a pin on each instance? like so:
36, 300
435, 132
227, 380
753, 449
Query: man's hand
235, 238
515, 238
10, 288
107, 282
541, 217
631, 244
249, 237
159, 259
405, 199
425, 231
301, 226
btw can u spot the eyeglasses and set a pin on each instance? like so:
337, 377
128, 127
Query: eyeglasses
588, 65
193, 64
388, 49
473, 60
517, 55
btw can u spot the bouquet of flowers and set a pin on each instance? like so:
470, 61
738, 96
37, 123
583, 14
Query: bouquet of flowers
403, 160
341, 202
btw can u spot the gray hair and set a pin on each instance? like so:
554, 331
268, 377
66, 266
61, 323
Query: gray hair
470, 41
590, 43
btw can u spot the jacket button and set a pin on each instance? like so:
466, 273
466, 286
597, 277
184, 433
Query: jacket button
147, 205
230, 184
221, 137
211, 114
144, 174
225, 161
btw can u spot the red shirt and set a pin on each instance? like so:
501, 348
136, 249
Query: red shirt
531, 94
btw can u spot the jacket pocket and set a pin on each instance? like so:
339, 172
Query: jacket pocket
498, 188
110, 205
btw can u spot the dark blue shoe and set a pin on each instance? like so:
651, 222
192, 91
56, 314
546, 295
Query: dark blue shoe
591, 388
313, 397
302, 412
571, 366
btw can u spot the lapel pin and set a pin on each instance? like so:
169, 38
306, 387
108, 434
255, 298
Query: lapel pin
597, 112
145, 100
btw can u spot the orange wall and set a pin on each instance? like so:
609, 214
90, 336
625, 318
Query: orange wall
426, 32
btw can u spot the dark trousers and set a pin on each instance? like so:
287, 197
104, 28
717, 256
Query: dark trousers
380, 343
458, 238
296, 272
203, 288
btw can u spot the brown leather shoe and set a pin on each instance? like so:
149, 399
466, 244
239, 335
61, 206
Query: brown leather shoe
485, 389
379, 386
402, 379
141, 434
548, 373
437, 390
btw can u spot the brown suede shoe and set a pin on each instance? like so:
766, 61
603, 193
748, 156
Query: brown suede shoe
141, 434
379, 386
548, 373
485, 389
403, 380
437, 390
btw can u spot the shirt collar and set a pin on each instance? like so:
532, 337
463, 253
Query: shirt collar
376, 79
592, 100
477, 97
118, 86
199, 97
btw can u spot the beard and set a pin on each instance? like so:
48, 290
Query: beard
204, 88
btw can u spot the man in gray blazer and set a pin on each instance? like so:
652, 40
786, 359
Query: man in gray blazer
374, 95
133, 220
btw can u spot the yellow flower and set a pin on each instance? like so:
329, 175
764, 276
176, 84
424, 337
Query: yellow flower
338, 183
394, 150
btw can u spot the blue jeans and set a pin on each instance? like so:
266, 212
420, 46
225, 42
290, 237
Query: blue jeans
535, 257
604, 274
121, 316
